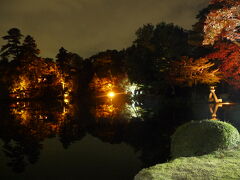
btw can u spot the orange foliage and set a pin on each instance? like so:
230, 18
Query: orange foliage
103, 85
36, 75
105, 111
190, 72
36, 119
229, 56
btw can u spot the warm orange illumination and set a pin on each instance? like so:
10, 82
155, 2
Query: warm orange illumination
66, 100
111, 94
106, 111
227, 103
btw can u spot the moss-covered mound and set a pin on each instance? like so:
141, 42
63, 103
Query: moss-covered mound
224, 165
203, 137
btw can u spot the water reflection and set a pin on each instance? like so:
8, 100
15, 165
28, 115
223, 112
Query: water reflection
26, 125
213, 108
39, 118
118, 109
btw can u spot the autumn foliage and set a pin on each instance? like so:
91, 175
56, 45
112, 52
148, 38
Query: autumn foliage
222, 31
189, 72
222, 23
35, 76
228, 56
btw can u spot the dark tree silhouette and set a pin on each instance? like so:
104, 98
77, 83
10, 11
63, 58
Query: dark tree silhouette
108, 63
154, 48
67, 61
62, 58
11, 50
29, 50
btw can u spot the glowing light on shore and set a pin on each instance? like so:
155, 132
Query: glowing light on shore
227, 103
111, 94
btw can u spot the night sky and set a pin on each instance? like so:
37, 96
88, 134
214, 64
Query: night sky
89, 26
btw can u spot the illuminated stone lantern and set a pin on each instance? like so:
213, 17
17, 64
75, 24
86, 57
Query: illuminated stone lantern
213, 96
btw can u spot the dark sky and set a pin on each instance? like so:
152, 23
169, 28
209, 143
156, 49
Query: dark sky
90, 26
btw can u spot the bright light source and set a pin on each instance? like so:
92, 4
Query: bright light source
111, 94
66, 100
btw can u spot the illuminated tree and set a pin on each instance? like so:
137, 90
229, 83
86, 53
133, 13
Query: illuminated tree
227, 55
189, 72
34, 77
103, 85
220, 20
70, 66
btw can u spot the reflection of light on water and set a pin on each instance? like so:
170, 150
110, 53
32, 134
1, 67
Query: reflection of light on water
42, 117
63, 84
117, 108
127, 111
66, 98
38, 119
227, 103
105, 111
134, 111
214, 109
22, 115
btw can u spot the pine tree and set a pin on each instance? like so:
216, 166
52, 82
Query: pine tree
11, 50
62, 58
29, 50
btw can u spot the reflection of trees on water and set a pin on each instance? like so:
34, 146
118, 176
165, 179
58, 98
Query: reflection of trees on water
25, 125
21, 152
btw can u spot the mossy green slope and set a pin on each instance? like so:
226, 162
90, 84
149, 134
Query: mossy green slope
219, 139
202, 137
220, 165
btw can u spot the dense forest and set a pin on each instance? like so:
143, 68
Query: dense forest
164, 59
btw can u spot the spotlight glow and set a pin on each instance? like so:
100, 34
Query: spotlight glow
111, 94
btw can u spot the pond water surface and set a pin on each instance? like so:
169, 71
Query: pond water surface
55, 140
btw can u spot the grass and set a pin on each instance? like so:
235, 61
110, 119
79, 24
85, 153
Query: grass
219, 141
219, 165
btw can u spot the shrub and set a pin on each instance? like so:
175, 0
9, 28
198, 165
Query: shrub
203, 137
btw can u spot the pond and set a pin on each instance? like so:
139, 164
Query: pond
92, 140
